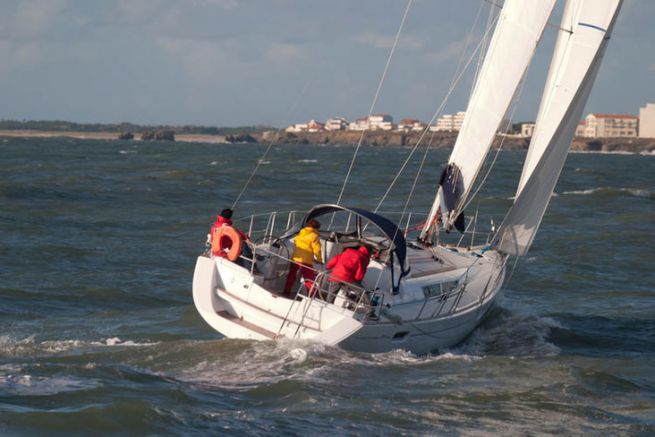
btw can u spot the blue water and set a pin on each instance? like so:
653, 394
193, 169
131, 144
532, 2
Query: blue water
98, 332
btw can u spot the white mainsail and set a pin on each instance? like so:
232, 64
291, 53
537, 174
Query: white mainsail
517, 33
578, 52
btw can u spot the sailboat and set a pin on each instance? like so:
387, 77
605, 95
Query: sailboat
419, 293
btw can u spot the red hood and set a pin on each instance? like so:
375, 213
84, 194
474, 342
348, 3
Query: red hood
220, 220
364, 250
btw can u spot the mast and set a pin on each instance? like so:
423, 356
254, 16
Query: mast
517, 33
575, 64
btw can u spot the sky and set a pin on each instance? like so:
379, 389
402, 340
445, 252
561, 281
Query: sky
274, 62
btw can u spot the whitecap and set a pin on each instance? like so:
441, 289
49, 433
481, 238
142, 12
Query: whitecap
308, 161
60, 345
582, 192
604, 152
299, 355
517, 331
11, 347
115, 341
636, 192
28, 385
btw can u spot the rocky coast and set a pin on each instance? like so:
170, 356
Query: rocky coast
371, 138
447, 140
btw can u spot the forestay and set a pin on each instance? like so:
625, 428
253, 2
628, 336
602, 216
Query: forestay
517, 33
574, 66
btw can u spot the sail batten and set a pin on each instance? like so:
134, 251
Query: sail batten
512, 46
575, 64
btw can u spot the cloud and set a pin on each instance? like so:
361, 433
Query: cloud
285, 52
380, 41
651, 67
136, 11
224, 4
450, 51
17, 54
32, 18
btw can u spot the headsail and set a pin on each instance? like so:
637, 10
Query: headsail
574, 66
517, 33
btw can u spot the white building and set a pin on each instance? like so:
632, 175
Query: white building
458, 120
298, 127
449, 122
608, 125
315, 126
581, 130
336, 123
647, 121
527, 129
444, 123
311, 126
359, 124
373, 122
410, 124
380, 121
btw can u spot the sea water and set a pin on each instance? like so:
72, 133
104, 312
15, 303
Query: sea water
98, 332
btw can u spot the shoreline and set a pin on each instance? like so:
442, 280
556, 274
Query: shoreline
370, 138
182, 138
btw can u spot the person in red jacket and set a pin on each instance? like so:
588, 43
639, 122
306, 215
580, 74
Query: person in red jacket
225, 219
347, 267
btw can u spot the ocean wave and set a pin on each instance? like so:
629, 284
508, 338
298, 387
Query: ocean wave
553, 195
28, 346
246, 365
17, 384
308, 161
610, 192
517, 331
603, 152
647, 152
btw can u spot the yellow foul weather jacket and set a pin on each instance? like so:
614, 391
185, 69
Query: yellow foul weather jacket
308, 246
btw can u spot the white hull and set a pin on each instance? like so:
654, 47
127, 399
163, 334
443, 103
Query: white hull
239, 305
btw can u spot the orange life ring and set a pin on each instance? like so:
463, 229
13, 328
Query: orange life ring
227, 243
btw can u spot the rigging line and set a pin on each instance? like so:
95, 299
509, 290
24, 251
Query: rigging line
459, 64
437, 112
455, 80
511, 274
558, 27
466, 201
469, 38
270, 144
548, 24
493, 3
482, 52
375, 98
500, 146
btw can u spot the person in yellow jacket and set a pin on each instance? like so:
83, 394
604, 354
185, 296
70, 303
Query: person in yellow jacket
307, 248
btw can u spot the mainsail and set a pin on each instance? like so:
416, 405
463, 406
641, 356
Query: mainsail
517, 33
587, 25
